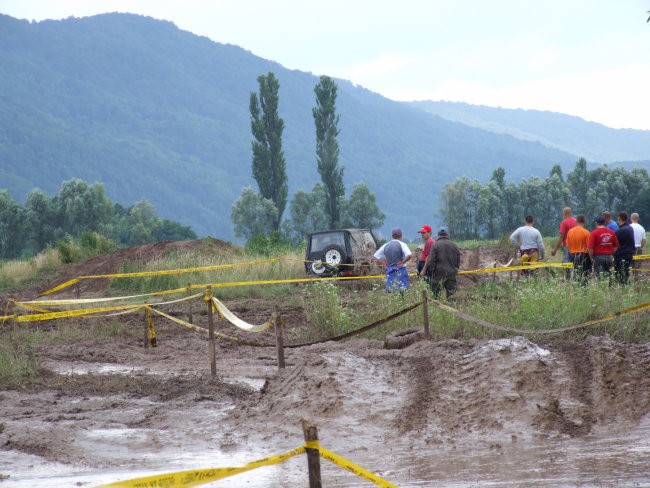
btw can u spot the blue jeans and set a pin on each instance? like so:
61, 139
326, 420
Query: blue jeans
566, 258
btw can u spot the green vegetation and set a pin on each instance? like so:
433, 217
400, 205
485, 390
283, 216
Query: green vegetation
477, 211
79, 213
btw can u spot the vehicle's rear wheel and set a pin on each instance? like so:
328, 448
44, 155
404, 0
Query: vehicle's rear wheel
334, 255
318, 268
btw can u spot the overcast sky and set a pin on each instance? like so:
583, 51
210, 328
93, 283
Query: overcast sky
589, 58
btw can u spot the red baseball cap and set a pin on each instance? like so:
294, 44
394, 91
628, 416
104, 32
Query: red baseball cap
425, 228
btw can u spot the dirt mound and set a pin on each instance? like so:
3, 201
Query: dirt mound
137, 255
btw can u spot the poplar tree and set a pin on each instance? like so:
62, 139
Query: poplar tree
269, 167
327, 148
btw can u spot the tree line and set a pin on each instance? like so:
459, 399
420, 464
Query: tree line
79, 208
475, 210
325, 206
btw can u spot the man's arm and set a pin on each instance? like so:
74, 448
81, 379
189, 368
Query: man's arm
557, 245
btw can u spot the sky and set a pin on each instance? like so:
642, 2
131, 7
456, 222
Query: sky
589, 58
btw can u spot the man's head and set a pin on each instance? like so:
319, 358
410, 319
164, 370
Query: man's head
634, 218
581, 220
529, 220
425, 232
396, 233
622, 217
567, 212
600, 220
443, 232
607, 216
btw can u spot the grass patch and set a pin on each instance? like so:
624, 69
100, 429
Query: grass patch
24, 272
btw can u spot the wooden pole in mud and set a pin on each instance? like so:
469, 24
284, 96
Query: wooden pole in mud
313, 456
213, 353
425, 313
145, 336
189, 304
279, 336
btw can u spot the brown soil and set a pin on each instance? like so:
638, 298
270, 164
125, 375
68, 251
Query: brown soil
448, 413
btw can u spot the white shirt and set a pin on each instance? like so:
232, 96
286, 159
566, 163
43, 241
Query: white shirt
639, 233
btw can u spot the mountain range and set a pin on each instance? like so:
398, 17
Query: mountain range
152, 111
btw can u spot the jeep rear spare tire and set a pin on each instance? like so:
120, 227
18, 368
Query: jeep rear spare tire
334, 255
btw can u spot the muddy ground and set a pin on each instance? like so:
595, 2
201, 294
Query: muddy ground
505, 412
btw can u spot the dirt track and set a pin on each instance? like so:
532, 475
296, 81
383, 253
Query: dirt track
504, 412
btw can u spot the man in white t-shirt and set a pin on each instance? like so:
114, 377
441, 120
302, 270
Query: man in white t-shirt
639, 237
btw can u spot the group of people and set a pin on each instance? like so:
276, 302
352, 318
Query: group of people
609, 244
438, 263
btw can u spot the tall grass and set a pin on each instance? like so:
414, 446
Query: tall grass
289, 267
17, 273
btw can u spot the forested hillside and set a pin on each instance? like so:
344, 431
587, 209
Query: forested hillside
590, 140
154, 112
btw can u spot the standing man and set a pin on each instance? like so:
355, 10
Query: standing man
442, 264
568, 223
609, 222
639, 234
626, 249
394, 255
602, 244
429, 241
529, 241
578, 243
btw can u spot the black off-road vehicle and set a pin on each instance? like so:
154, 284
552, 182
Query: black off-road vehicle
344, 252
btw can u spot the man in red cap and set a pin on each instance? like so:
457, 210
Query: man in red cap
429, 241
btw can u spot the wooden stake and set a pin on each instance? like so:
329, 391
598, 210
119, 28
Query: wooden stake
279, 336
313, 456
212, 347
425, 314
145, 337
189, 304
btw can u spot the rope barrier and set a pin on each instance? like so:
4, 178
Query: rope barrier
504, 328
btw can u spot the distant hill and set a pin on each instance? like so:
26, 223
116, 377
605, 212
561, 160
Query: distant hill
152, 111
595, 142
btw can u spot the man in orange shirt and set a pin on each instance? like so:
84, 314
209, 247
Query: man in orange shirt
568, 223
577, 239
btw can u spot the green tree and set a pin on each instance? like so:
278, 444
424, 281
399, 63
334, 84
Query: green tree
40, 221
327, 148
11, 226
362, 210
307, 213
578, 180
253, 215
269, 167
82, 207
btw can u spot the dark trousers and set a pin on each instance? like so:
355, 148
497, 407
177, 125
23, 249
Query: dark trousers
581, 267
603, 264
440, 281
622, 263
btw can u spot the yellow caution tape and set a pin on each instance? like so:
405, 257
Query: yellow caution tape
72, 313
158, 273
353, 468
236, 321
80, 301
187, 479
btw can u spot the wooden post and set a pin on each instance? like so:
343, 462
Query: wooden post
313, 456
77, 290
145, 336
211, 346
279, 336
189, 304
425, 313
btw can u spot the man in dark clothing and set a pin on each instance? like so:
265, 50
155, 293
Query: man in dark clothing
443, 263
626, 249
